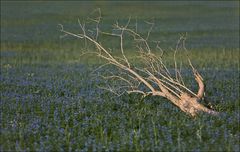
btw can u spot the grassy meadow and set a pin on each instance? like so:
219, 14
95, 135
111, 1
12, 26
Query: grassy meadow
50, 99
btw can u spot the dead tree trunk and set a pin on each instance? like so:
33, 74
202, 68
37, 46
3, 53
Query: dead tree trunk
155, 76
188, 103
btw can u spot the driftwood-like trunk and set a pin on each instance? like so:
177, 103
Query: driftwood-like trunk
189, 104
186, 102
155, 76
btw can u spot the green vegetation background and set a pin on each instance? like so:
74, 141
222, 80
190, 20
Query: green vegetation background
50, 100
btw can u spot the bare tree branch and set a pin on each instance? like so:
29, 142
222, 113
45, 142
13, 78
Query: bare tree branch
154, 78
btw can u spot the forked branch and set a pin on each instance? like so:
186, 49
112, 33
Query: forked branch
154, 76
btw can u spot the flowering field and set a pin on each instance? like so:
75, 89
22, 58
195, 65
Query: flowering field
50, 99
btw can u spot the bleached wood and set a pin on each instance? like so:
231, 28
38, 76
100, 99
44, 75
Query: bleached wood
156, 72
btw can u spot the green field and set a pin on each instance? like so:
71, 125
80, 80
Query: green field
50, 99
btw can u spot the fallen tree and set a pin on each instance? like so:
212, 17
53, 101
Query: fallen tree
155, 76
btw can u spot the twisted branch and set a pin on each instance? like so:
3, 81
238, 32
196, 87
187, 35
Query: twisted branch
154, 72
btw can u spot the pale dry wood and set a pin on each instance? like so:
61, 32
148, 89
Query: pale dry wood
155, 72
